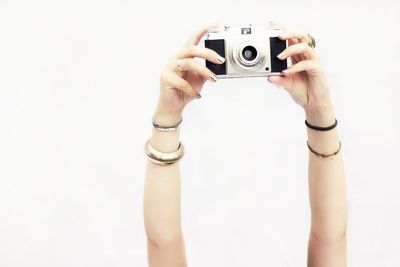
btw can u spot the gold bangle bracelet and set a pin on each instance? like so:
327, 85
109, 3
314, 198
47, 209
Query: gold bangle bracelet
163, 158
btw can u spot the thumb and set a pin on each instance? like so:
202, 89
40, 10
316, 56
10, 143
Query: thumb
281, 81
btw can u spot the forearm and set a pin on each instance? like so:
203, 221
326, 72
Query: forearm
162, 188
327, 182
180, 83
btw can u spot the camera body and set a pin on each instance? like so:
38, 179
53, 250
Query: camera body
249, 51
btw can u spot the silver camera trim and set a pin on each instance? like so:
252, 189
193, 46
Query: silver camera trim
232, 35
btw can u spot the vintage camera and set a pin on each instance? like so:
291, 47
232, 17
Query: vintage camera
249, 51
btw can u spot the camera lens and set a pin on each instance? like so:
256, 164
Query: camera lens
249, 53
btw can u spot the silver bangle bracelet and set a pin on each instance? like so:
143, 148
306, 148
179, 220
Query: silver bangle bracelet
167, 128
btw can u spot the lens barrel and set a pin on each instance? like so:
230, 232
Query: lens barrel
247, 56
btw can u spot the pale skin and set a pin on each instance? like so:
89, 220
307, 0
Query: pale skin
305, 81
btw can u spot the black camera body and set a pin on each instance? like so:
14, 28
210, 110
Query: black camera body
249, 51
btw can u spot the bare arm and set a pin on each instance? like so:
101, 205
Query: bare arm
162, 204
327, 190
306, 83
180, 83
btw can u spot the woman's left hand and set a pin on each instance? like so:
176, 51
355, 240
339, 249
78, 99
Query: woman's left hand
305, 80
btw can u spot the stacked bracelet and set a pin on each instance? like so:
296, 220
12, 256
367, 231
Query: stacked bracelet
323, 129
324, 155
163, 158
171, 128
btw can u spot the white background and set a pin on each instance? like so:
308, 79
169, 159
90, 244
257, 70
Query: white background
79, 83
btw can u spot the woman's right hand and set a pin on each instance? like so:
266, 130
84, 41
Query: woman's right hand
183, 78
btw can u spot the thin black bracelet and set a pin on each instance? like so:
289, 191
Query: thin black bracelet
325, 155
322, 128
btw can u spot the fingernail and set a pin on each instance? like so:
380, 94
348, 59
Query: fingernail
221, 59
178, 65
198, 96
213, 78
280, 56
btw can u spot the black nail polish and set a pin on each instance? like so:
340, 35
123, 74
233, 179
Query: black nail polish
198, 96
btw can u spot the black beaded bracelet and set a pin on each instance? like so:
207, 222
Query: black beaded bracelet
322, 128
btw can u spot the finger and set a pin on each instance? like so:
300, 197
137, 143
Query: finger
189, 64
196, 37
305, 65
280, 25
173, 80
292, 42
301, 36
298, 49
204, 53
281, 81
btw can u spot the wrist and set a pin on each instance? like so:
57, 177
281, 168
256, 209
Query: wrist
165, 117
321, 116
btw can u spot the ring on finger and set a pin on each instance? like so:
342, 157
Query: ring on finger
311, 41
